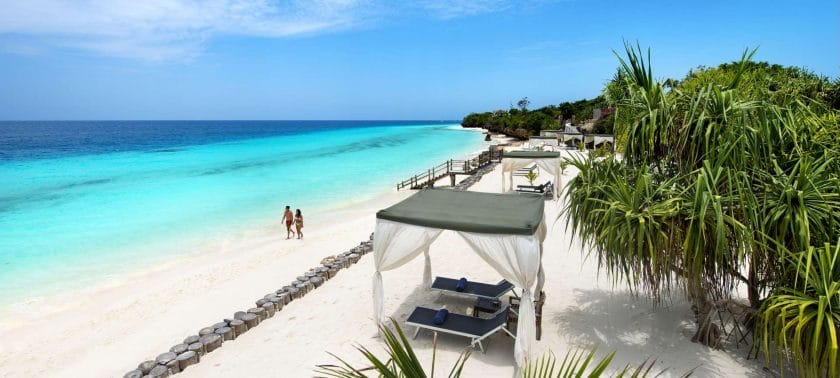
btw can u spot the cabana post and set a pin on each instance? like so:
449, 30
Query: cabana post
506, 231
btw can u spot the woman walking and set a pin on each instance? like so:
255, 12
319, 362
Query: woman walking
299, 223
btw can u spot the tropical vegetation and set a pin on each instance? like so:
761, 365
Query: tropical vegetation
521, 123
729, 178
403, 362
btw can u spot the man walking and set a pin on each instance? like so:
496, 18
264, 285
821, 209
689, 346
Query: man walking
288, 217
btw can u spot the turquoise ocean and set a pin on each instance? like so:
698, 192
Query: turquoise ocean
84, 201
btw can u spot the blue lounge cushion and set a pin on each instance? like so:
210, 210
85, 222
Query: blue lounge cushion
440, 316
461, 285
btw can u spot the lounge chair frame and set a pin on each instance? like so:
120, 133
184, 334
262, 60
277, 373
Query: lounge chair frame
522, 172
474, 339
468, 294
544, 189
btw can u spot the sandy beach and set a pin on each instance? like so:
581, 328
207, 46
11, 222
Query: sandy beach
106, 332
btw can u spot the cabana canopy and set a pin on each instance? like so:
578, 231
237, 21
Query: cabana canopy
486, 213
530, 154
547, 160
506, 231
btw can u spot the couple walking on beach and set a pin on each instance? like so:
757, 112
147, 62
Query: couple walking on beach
297, 218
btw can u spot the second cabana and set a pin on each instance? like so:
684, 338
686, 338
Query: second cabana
547, 160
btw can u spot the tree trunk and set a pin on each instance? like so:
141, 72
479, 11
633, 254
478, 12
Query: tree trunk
752, 289
707, 333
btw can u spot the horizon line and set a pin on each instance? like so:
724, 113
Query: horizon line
229, 120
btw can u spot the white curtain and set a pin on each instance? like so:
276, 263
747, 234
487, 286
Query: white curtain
542, 231
568, 137
509, 166
601, 139
396, 244
551, 165
516, 258
534, 142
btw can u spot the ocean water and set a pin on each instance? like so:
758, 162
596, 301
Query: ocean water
84, 201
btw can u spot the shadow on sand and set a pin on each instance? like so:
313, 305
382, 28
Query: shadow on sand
638, 331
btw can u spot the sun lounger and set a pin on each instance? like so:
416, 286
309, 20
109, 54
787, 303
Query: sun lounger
473, 289
524, 171
547, 188
477, 329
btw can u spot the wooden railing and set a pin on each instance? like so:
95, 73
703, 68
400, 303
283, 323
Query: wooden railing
448, 168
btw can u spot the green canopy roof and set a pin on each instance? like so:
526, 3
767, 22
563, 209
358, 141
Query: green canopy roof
530, 154
543, 137
487, 213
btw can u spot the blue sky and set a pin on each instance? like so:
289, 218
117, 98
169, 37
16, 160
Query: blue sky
345, 59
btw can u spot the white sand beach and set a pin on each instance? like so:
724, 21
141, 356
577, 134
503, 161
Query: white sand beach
107, 330
105, 333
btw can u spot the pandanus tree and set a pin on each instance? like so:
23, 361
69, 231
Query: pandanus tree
720, 186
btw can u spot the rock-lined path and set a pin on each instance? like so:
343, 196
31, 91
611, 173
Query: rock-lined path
208, 339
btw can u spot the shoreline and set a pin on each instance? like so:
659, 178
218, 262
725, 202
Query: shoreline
137, 258
258, 228
152, 304
14, 315
150, 310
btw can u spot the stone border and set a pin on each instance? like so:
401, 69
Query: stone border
475, 177
210, 338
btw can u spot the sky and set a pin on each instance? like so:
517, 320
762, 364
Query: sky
374, 59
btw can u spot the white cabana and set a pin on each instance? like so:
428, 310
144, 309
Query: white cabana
603, 138
572, 136
547, 160
537, 141
506, 231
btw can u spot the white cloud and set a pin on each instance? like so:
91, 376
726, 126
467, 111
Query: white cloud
165, 30
158, 30
448, 9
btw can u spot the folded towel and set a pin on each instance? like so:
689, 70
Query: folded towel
461, 285
440, 316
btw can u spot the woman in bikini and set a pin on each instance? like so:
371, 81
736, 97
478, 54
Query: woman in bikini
299, 223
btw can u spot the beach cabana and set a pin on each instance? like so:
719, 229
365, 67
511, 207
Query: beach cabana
547, 160
572, 136
536, 141
506, 231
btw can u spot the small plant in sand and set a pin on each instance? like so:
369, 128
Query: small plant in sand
401, 360
532, 176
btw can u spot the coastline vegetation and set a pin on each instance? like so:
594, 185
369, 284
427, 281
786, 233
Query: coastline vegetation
772, 83
730, 178
520, 122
